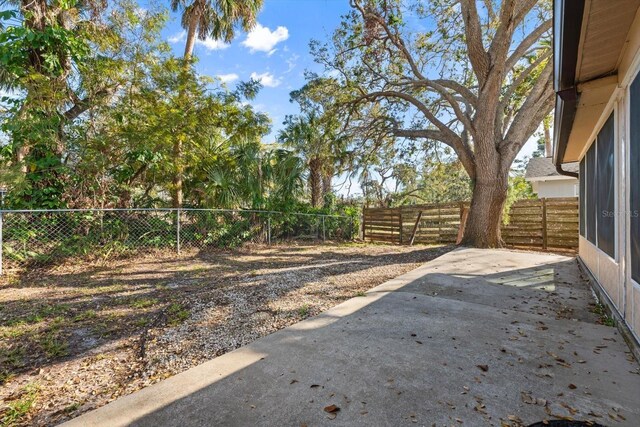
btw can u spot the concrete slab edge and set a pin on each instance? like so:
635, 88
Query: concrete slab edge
604, 299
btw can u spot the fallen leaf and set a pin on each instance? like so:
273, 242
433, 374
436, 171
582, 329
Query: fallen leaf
331, 409
527, 398
572, 386
483, 368
571, 410
515, 418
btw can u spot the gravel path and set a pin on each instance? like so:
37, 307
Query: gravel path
79, 337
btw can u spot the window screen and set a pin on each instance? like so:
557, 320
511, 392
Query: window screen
582, 196
590, 191
605, 215
634, 178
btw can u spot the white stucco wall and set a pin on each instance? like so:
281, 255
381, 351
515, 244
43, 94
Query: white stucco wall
556, 188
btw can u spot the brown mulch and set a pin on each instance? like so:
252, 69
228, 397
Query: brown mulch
78, 336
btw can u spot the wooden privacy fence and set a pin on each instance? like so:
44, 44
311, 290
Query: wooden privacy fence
545, 224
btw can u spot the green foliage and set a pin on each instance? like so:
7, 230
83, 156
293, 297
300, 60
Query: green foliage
94, 121
315, 136
55, 44
519, 188
440, 181
303, 311
604, 314
17, 410
176, 314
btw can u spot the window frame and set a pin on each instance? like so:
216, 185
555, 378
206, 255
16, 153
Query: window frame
630, 172
608, 218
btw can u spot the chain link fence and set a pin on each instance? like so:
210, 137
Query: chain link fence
32, 238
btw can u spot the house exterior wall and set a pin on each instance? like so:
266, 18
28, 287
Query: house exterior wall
613, 273
555, 188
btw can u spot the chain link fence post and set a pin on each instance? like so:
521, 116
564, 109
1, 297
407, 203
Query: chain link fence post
269, 229
1, 241
352, 229
178, 230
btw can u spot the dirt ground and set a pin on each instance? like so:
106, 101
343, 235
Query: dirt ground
79, 336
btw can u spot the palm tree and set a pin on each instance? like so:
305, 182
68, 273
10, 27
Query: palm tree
314, 137
208, 18
217, 19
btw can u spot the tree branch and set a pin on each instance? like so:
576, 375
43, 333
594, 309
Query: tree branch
478, 56
523, 8
451, 136
542, 109
527, 42
83, 105
504, 33
520, 78
464, 91
528, 113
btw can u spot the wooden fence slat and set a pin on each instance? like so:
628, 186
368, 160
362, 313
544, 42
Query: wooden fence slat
415, 229
533, 224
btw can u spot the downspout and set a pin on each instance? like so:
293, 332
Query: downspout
566, 106
567, 28
566, 173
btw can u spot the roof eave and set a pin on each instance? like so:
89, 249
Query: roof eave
567, 27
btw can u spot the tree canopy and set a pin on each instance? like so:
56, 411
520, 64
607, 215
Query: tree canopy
474, 76
97, 104
416, 102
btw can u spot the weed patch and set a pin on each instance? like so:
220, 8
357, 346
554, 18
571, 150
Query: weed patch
20, 408
176, 314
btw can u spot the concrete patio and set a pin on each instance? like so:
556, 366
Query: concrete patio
475, 337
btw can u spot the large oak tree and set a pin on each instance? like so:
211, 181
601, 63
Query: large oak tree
475, 76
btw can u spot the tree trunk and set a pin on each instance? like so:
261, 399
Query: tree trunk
177, 194
21, 155
326, 185
315, 182
191, 37
547, 140
487, 202
177, 178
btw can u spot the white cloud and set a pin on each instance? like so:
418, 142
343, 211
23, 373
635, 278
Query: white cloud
267, 79
178, 37
292, 62
212, 44
228, 78
208, 43
262, 39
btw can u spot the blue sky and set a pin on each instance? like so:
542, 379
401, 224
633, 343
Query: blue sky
276, 51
